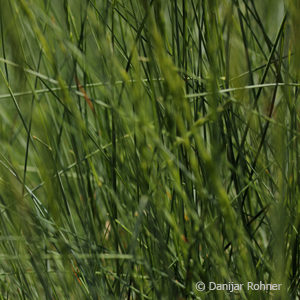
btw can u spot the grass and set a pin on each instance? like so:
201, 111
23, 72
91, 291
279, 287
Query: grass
147, 146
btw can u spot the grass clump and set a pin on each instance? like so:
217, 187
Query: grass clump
147, 146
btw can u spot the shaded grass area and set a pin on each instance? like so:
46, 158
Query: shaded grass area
146, 146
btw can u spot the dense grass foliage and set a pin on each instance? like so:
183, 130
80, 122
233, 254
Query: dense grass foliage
149, 145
